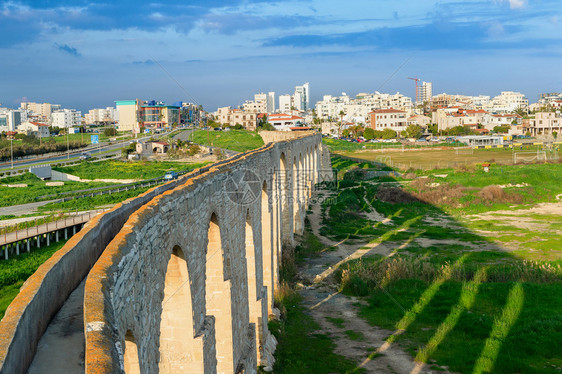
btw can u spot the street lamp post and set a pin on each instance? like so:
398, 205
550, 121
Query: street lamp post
12, 150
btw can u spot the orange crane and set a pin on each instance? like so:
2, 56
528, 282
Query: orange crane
417, 92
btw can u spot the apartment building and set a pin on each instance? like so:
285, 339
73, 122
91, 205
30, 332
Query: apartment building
39, 130
10, 119
359, 107
66, 118
231, 117
301, 98
544, 123
393, 119
100, 116
43, 110
509, 101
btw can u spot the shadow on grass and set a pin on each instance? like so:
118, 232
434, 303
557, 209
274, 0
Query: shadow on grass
451, 296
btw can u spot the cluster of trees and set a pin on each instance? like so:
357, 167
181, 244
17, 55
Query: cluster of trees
369, 134
31, 145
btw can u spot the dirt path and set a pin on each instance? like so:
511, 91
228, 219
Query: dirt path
355, 339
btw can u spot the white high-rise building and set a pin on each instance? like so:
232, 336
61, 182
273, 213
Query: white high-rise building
427, 91
359, 107
285, 103
107, 115
10, 119
509, 101
270, 102
302, 97
66, 118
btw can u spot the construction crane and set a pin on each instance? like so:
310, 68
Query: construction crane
417, 91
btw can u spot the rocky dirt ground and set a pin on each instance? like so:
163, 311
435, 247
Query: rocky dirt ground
354, 337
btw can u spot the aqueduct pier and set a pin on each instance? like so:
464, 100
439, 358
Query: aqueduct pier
181, 278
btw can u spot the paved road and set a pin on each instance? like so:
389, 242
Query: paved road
116, 148
18, 210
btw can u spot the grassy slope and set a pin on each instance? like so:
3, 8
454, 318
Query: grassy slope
36, 188
236, 140
16, 270
125, 170
507, 321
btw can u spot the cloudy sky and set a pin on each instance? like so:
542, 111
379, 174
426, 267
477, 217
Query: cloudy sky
86, 54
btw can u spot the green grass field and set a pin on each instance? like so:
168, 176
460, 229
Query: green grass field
437, 158
126, 169
15, 271
236, 140
36, 188
472, 276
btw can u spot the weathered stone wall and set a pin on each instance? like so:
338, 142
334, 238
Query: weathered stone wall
226, 226
139, 284
47, 289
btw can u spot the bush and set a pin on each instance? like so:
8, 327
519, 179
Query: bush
110, 131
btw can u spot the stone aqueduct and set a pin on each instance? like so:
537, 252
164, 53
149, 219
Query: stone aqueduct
181, 278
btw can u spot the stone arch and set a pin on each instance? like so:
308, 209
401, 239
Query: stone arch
131, 362
299, 194
285, 196
315, 164
218, 296
268, 257
177, 343
254, 272
296, 192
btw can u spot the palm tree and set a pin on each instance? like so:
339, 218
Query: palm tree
342, 113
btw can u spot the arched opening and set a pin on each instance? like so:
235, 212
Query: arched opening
179, 352
254, 272
315, 165
297, 194
218, 299
131, 354
267, 247
285, 196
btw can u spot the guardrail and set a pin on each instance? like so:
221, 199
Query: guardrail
10, 242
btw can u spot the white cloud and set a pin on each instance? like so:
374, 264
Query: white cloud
513, 4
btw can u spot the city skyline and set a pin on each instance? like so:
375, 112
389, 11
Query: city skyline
86, 55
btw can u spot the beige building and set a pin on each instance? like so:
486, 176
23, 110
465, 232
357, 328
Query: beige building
43, 110
129, 114
545, 123
389, 119
232, 117
39, 130
422, 121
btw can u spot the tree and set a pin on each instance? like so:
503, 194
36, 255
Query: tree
503, 129
345, 132
110, 131
433, 128
555, 134
389, 134
369, 133
528, 133
414, 131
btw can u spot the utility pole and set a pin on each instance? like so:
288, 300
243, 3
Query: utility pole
67, 144
12, 149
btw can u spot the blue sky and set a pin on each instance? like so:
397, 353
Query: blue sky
86, 54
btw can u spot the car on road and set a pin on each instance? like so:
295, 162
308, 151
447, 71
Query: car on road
85, 156
170, 175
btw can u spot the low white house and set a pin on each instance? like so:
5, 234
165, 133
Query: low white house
284, 122
39, 130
